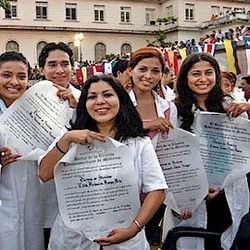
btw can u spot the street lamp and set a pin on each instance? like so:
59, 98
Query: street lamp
78, 43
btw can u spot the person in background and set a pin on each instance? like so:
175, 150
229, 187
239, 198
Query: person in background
227, 83
119, 70
237, 93
245, 86
105, 109
168, 81
20, 209
56, 65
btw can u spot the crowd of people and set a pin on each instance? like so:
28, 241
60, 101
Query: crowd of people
142, 99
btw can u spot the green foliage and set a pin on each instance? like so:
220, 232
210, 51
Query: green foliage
160, 35
5, 5
166, 20
110, 56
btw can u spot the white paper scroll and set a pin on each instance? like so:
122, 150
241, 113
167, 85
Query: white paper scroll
96, 188
179, 157
224, 145
35, 119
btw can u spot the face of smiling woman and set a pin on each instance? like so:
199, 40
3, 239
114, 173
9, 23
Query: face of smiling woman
146, 74
102, 104
201, 78
13, 81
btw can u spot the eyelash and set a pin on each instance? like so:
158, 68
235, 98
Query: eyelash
106, 95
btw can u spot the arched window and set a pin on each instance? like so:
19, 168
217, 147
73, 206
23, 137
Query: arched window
100, 52
75, 50
126, 48
39, 48
12, 46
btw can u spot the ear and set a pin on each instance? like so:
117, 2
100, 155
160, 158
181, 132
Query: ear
41, 70
130, 72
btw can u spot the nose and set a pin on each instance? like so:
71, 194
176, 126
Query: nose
148, 74
203, 77
99, 99
14, 81
59, 68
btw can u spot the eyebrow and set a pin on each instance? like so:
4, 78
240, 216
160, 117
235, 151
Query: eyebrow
102, 91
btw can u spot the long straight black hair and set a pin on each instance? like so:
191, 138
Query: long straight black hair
128, 123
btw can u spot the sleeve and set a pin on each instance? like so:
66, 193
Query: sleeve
173, 115
152, 175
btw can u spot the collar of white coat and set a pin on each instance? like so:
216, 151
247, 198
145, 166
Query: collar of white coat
161, 104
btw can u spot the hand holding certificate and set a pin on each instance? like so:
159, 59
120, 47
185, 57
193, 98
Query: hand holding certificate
224, 146
97, 191
34, 120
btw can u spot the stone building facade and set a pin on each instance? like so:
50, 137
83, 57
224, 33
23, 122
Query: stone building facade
109, 26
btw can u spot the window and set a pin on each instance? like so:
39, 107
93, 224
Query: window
215, 10
189, 11
126, 48
41, 10
39, 47
150, 17
169, 11
70, 9
12, 12
99, 11
12, 46
100, 52
125, 14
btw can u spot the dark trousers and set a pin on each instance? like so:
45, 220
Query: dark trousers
46, 232
218, 219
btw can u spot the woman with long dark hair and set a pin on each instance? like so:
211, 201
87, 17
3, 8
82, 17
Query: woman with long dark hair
105, 109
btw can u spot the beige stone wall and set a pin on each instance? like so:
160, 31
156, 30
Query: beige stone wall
28, 31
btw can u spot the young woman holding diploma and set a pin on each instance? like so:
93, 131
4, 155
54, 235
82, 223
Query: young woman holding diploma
198, 87
105, 109
20, 209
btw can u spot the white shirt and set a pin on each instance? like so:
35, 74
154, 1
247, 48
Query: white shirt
149, 178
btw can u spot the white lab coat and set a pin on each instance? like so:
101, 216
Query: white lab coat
237, 195
20, 210
161, 106
149, 178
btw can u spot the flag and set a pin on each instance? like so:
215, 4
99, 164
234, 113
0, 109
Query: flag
98, 70
108, 68
91, 71
209, 48
247, 45
84, 73
171, 58
196, 48
183, 53
232, 59
79, 76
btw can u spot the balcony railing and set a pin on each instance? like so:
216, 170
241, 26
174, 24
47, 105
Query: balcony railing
229, 18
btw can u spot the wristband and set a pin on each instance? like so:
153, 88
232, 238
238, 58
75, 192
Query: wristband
59, 149
137, 223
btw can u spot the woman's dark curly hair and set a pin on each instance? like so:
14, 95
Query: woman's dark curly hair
186, 99
128, 123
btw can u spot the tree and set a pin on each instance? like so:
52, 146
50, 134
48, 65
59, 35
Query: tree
160, 35
5, 5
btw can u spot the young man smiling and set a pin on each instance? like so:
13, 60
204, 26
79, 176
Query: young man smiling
56, 65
